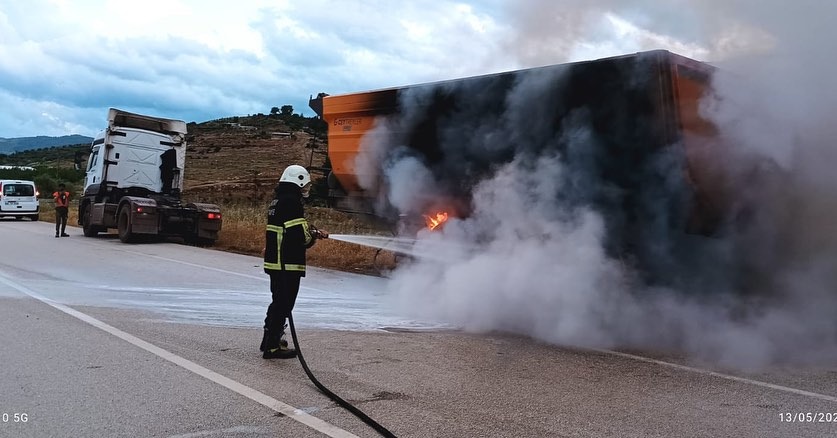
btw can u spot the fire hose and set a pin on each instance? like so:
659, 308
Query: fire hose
343, 403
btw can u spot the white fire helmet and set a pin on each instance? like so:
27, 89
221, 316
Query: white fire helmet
298, 175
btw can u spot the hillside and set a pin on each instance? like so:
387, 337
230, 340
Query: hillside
11, 145
55, 156
240, 159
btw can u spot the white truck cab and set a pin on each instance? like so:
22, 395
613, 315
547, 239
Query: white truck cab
19, 199
144, 153
134, 180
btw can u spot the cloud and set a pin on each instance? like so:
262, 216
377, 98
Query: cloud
75, 66
46, 118
365, 45
199, 60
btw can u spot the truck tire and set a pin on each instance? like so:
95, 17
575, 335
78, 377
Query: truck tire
123, 224
34, 218
87, 229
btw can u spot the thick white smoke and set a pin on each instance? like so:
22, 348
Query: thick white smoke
522, 262
521, 266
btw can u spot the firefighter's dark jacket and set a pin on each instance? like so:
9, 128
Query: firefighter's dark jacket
288, 234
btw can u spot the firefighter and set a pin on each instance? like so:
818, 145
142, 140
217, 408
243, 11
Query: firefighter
62, 204
287, 238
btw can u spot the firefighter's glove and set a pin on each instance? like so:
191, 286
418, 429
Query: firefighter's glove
319, 234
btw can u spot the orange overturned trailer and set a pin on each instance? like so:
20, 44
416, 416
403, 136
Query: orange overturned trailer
633, 105
628, 130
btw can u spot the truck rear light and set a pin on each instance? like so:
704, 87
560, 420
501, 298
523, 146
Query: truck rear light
213, 216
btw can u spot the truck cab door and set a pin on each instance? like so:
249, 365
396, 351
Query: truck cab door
93, 174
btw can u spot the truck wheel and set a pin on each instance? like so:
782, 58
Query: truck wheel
87, 229
34, 218
124, 226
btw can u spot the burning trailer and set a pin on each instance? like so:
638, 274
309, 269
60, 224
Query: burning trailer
628, 133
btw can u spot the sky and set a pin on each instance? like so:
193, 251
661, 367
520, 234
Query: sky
63, 63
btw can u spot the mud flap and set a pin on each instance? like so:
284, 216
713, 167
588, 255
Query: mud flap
208, 221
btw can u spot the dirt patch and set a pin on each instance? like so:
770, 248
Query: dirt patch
234, 162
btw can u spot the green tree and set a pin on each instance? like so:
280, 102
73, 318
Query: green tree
274, 111
287, 110
46, 185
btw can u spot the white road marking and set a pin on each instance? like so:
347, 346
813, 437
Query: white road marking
719, 375
259, 397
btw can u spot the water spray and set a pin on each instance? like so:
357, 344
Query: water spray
395, 244
429, 249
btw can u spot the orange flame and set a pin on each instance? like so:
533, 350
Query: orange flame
433, 222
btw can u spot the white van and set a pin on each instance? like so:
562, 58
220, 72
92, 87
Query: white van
19, 199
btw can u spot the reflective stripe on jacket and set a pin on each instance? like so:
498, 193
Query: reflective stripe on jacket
288, 234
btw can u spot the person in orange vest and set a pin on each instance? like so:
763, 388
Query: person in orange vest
62, 208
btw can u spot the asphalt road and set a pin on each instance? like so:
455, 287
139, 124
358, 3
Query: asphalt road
98, 338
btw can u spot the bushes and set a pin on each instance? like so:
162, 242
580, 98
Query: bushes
45, 184
47, 178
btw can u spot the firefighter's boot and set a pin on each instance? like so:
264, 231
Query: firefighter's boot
279, 352
282, 341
